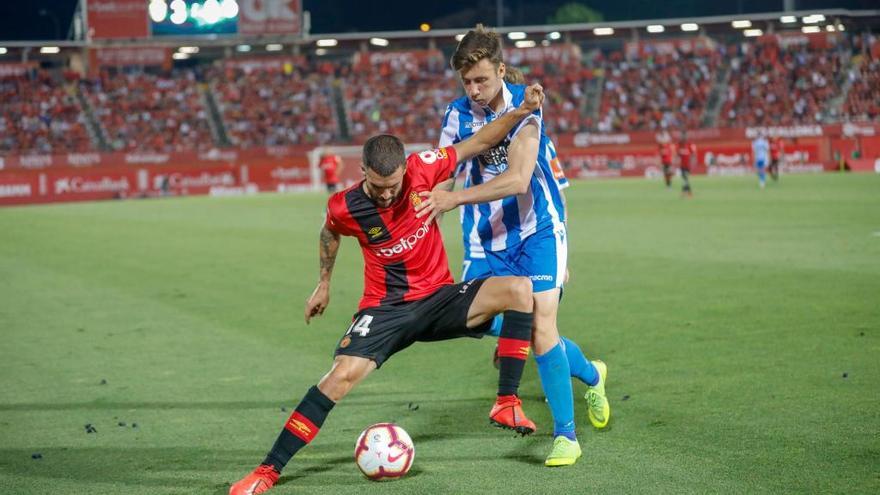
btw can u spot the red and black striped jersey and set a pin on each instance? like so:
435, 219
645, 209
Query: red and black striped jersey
667, 150
777, 147
685, 150
404, 257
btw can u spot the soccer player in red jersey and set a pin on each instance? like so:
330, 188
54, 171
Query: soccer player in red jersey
409, 294
667, 154
777, 149
687, 158
331, 164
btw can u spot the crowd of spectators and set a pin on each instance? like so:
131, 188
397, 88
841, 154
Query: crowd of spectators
863, 99
146, 112
660, 91
40, 115
565, 93
773, 85
404, 95
282, 107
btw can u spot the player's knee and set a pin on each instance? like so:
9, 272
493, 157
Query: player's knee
344, 375
520, 294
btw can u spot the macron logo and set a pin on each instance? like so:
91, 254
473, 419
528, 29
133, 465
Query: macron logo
404, 244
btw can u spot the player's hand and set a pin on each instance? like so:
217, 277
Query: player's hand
318, 301
434, 203
534, 98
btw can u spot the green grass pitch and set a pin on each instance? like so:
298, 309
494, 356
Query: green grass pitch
741, 329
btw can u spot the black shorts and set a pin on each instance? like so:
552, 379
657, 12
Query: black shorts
379, 332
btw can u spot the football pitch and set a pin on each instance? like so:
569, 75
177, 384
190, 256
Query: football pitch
158, 346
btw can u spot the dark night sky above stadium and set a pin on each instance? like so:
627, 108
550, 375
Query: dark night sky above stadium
50, 19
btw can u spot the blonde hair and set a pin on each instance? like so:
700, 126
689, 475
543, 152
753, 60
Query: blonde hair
514, 76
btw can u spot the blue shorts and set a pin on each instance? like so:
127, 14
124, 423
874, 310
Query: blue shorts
542, 257
760, 164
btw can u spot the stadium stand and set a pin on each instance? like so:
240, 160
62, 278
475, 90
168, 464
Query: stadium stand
275, 108
565, 100
405, 96
766, 84
770, 85
40, 115
665, 91
147, 112
863, 100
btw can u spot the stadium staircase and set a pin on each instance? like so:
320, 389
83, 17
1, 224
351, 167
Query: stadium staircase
834, 107
716, 97
593, 97
215, 121
340, 109
93, 126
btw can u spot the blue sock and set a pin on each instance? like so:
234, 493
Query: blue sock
556, 381
495, 329
580, 367
762, 176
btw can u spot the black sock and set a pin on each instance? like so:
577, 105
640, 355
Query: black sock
513, 349
301, 428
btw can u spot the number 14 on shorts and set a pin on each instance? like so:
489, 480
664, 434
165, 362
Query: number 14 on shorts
361, 326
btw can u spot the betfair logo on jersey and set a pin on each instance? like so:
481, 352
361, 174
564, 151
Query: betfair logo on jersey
300, 426
375, 232
442, 153
404, 244
415, 198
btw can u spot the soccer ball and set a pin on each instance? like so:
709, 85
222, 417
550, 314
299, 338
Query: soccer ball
384, 451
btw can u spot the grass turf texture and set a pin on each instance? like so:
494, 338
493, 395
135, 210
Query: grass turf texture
741, 329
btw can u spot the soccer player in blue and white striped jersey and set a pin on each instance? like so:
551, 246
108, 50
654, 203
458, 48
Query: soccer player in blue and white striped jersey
513, 209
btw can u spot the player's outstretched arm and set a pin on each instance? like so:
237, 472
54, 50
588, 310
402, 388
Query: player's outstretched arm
522, 157
492, 133
320, 298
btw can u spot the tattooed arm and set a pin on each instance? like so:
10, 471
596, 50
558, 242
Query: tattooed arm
320, 298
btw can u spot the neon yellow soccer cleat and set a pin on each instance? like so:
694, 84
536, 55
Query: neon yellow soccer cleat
598, 409
565, 452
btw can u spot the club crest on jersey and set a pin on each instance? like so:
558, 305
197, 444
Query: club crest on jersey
415, 199
375, 232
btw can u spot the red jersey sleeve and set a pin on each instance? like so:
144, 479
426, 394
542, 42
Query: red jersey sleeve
435, 165
335, 212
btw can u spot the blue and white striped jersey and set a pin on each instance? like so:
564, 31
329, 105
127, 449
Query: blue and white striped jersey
760, 149
504, 223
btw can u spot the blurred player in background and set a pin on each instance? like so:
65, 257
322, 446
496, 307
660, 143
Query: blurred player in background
667, 157
777, 151
760, 154
409, 295
687, 159
331, 165
515, 214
